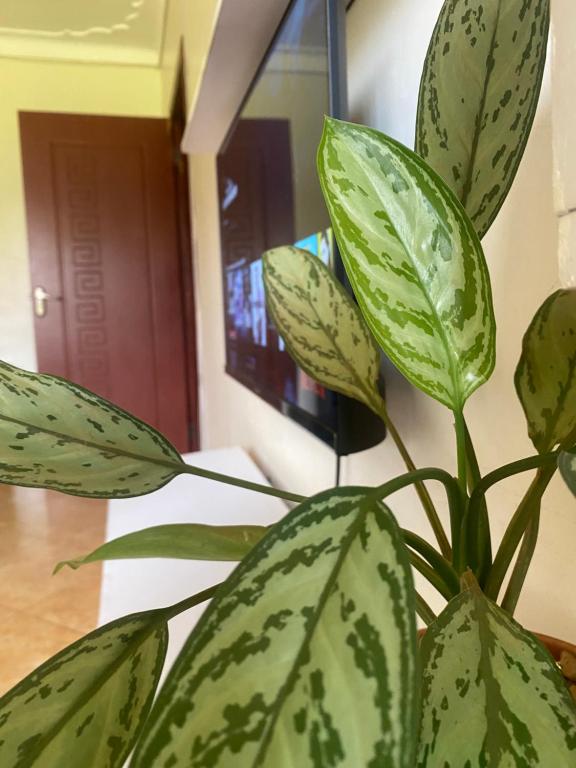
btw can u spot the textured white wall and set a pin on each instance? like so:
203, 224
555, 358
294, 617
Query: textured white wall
387, 43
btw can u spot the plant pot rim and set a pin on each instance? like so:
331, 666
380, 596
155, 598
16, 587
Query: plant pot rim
555, 646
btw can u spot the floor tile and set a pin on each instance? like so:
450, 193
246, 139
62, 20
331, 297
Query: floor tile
42, 612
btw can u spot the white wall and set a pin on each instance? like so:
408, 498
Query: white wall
387, 43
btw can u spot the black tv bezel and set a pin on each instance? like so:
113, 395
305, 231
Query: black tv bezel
344, 438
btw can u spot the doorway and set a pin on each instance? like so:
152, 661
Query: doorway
105, 251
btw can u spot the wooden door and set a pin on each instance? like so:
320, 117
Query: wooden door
104, 261
256, 214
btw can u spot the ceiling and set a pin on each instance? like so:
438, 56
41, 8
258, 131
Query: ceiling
104, 31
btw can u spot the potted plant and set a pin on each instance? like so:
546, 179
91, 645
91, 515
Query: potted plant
308, 654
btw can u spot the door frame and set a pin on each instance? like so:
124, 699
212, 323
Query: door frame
178, 120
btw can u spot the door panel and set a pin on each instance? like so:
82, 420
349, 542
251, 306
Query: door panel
103, 245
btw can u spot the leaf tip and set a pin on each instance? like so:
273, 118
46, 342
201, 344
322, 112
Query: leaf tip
73, 564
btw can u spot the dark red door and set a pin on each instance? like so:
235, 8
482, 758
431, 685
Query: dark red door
104, 261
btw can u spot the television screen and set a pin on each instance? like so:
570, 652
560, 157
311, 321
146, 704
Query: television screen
269, 195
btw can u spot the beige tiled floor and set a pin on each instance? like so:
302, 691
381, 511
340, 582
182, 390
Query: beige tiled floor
42, 613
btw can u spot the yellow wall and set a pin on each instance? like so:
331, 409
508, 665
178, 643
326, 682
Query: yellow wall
189, 23
51, 87
384, 63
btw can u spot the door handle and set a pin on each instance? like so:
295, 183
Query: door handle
40, 299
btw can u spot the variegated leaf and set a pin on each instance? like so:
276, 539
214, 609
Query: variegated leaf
546, 374
478, 97
492, 694
307, 655
321, 325
414, 261
54, 434
567, 464
184, 541
87, 705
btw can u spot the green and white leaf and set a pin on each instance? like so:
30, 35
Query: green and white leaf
307, 655
413, 258
546, 374
321, 325
182, 541
87, 705
567, 464
55, 434
478, 97
492, 694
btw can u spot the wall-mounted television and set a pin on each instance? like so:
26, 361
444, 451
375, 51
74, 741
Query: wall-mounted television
269, 195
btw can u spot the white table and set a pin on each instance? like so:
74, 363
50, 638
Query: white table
129, 586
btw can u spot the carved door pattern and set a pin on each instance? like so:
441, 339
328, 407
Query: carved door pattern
104, 251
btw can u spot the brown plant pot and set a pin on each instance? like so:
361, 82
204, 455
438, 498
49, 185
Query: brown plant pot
556, 646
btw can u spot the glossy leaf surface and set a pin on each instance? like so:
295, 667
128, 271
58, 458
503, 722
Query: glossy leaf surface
321, 325
414, 261
478, 97
306, 656
86, 706
546, 374
54, 434
184, 541
492, 694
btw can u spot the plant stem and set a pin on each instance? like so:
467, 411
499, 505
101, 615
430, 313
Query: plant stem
418, 475
236, 481
190, 602
480, 555
529, 506
458, 513
430, 575
424, 611
522, 565
460, 429
430, 473
508, 470
435, 559
420, 488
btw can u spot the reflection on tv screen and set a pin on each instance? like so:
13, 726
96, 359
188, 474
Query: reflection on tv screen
255, 347
270, 196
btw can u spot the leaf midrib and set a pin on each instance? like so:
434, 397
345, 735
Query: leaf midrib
349, 367
174, 465
467, 188
450, 352
286, 689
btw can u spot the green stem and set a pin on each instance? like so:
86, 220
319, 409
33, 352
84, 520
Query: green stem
522, 565
460, 429
514, 468
459, 558
430, 575
480, 554
420, 488
418, 475
430, 473
190, 602
529, 506
236, 481
435, 559
424, 611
